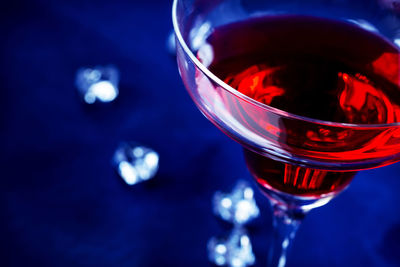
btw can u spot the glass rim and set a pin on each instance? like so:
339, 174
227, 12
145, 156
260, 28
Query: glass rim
244, 97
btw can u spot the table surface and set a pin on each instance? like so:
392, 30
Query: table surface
63, 204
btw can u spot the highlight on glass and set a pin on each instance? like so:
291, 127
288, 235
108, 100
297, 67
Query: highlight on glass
310, 89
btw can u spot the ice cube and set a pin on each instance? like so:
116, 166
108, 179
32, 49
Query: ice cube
237, 207
233, 251
98, 84
135, 163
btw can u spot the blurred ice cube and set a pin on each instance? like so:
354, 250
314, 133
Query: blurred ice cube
98, 84
233, 251
170, 44
135, 163
237, 207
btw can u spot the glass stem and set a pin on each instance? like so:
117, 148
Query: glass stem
285, 225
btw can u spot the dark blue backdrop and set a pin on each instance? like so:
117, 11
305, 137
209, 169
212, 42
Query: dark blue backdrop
62, 204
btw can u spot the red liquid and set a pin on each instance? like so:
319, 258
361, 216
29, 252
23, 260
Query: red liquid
316, 68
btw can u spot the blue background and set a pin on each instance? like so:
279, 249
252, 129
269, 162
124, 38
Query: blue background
61, 202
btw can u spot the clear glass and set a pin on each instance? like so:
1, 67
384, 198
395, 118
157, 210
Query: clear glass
194, 20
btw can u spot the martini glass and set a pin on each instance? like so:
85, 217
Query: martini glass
299, 162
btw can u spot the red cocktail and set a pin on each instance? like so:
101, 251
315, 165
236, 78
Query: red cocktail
312, 98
